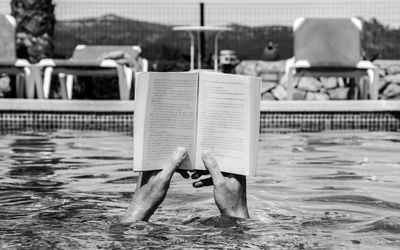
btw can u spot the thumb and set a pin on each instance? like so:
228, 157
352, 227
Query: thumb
212, 166
176, 160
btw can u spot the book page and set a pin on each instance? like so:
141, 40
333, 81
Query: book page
225, 121
141, 93
170, 117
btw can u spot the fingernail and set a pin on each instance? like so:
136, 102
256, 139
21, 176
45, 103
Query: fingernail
206, 154
209, 158
180, 154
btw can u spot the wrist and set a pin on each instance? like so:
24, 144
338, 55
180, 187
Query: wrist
133, 214
137, 211
238, 212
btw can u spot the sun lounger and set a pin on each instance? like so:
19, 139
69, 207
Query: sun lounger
95, 60
325, 47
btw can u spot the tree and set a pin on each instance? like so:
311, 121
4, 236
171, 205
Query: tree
35, 27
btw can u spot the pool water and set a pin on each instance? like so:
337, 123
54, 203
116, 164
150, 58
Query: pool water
66, 189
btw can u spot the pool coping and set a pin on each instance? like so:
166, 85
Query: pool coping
57, 105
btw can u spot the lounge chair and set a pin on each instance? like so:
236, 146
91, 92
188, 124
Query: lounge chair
330, 47
11, 65
95, 60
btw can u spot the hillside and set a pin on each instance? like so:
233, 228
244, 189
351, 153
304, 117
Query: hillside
160, 42
108, 29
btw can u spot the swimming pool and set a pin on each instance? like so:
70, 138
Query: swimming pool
275, 116
65, 189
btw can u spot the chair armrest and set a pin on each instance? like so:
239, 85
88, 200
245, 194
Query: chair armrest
47, 62
22, 63
365, 65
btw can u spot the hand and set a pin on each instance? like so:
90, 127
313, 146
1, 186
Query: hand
151, 189
229, 189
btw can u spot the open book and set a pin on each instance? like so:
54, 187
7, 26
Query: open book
199, 111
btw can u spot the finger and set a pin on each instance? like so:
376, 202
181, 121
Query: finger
184, 173
212, 166
197, 174
175, 161
203, 183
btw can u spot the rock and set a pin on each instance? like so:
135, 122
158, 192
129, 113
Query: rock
329, 82
340, 93
308, 83
267, 86
392, 78
247, 68
381, 72
4, 85
272, 77
279, 92
261, 68
393, 69
340, 81
275, 81
396, 97
270, 67
321, 96
382, 83
316, 96
299, 94
268, 96
391, 91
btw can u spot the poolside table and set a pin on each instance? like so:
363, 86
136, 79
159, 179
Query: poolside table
196, 31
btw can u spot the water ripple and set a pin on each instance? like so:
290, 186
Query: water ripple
357, 199
389, 224
66, 190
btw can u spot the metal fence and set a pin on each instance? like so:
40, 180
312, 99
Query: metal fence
254, 23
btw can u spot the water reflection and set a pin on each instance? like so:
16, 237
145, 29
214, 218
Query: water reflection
66, 190
32, 155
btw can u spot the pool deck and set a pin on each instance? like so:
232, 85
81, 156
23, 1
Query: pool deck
57, 105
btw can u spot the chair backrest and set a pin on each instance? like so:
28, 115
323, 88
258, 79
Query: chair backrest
7, 38
328, 42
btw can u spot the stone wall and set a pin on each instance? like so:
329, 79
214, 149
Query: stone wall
275, 82
389, 79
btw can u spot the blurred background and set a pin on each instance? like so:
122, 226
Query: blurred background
255, 23
261, 30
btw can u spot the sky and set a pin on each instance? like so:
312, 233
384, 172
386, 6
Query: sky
222, 12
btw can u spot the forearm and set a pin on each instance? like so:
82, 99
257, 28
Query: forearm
146, 199
137, 211
151, 189
238, 210
237, 213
